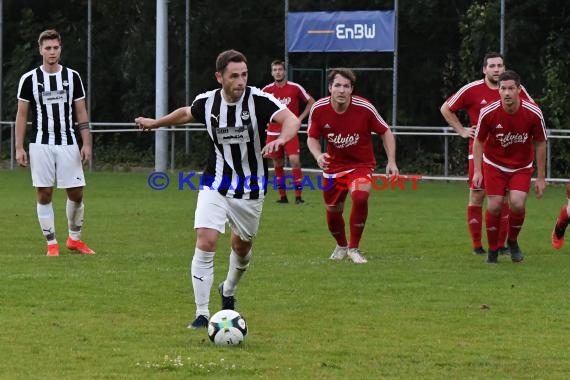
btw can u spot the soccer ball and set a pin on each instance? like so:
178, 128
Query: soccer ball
227, 327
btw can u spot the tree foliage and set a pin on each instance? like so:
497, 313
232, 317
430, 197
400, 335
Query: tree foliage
441, 45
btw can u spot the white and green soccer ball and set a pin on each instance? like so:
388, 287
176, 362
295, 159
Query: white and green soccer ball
227, 327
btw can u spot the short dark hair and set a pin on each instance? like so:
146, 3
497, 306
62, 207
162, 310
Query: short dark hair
492, 54
50, 34
225, 57
344, 72
510, 75
278, 62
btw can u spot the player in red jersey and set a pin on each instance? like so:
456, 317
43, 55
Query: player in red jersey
346, 123
472, 97
293, 95
509, 133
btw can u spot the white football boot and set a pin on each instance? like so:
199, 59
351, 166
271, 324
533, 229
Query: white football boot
355, 256
339, 253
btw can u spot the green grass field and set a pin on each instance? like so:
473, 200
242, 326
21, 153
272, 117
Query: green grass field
423, 307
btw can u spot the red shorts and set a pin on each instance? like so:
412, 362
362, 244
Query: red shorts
470, 180
336, 189
498, 182
291, 147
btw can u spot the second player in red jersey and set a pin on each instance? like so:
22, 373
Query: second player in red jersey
346, 123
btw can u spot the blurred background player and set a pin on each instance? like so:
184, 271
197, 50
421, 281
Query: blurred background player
347, 123
509, 133
561, 223
472, 97
56, 97
293, 95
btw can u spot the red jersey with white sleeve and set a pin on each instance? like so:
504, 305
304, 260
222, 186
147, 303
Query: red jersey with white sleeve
473, 97
292, 95
508, 138
348, 135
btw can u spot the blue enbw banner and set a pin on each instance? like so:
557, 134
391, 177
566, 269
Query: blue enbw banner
360, 31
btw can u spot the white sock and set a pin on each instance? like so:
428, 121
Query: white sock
74, 211
202, 272
46, 219
237, 268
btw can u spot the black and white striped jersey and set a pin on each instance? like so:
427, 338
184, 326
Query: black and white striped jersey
235, 166
51, 97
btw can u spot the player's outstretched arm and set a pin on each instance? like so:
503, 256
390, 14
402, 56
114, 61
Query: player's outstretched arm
179, 116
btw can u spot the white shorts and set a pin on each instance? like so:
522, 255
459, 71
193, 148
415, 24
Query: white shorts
213, 210
51, 162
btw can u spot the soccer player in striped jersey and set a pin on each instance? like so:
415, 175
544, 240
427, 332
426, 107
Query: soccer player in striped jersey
235, 116
510, 132
293, 95
346, 122
56, 97
472, 97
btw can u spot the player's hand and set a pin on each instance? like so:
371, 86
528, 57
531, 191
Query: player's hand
22, 157
469, 132
392, 169
145, 123
477, 180
271, 147
323, 161
539, 187
86, 154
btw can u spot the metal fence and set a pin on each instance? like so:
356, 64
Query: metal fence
7, 142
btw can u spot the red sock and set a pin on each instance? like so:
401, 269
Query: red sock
475, 223
516, 222
504, 226
298, 176
493, 222
562, 222
568, 190
563, 219
335, 222
358, 216
280, 173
